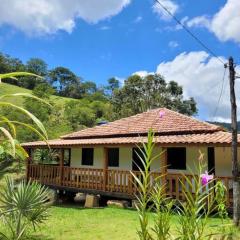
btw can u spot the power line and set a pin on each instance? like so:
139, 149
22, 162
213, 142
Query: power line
221, 92
188, 31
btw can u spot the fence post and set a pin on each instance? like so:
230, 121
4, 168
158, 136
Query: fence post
105, 168
61, 164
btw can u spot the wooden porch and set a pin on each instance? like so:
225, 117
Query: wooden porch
115, 183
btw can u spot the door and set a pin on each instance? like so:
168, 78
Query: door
211, 160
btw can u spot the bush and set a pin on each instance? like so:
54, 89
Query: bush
23, 206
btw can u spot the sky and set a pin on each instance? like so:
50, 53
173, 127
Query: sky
117, 38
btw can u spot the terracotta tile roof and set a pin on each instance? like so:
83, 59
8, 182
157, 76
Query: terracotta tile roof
215, 138
170, 122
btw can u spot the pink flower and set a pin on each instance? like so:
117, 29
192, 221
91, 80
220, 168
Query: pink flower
206, 178
161, 114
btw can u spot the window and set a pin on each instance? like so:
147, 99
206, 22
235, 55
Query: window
113, 157
67, 156
176, 158
87, 156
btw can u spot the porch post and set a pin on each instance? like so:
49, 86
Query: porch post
61, 165
28, 160
105, 168
164, 168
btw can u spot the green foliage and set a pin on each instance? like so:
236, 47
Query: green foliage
220, 197
38, 67
198, 205
22, 206
143, 185
79, 115
201, 198
8, 141
43, 90
45, 156
143, 93
113, 85
9, 64
163, 212
64, 80
88, 88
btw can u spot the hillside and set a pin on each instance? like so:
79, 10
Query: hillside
227, 126
12, 168
6, 88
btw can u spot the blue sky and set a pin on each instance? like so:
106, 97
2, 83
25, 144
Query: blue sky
101, 39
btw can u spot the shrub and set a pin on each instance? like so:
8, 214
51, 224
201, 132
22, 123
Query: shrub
22, 206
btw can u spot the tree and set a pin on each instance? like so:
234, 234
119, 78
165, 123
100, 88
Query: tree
36, 66
79, 115
43, 90
143, 93
88, 88
113, 84
100, 109
39, 109
9, 64
64, 80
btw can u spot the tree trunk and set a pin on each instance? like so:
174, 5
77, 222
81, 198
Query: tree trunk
236, 202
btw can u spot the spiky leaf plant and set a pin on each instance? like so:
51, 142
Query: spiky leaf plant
22, 206
144, 186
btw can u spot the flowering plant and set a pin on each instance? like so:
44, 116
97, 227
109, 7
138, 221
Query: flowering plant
206, 178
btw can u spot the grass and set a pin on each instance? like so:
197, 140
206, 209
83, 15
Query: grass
78, 223
75, 223
6, 88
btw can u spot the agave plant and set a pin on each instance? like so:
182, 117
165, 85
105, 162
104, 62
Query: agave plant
22, 206
8, 142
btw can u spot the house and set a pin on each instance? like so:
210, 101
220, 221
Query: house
99, 159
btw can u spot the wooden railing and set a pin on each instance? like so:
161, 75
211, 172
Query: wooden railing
117, 181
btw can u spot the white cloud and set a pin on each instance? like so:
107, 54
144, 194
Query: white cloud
169, 4
50, 16
173, 44
138, 19
201, 21
142, 73
121, 80
201, 77
224, 24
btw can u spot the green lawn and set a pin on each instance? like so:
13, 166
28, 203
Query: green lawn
75, 223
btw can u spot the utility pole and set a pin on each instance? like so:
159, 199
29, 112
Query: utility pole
235, 167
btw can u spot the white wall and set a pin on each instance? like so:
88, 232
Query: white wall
222, 159
76, 158
125, 158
